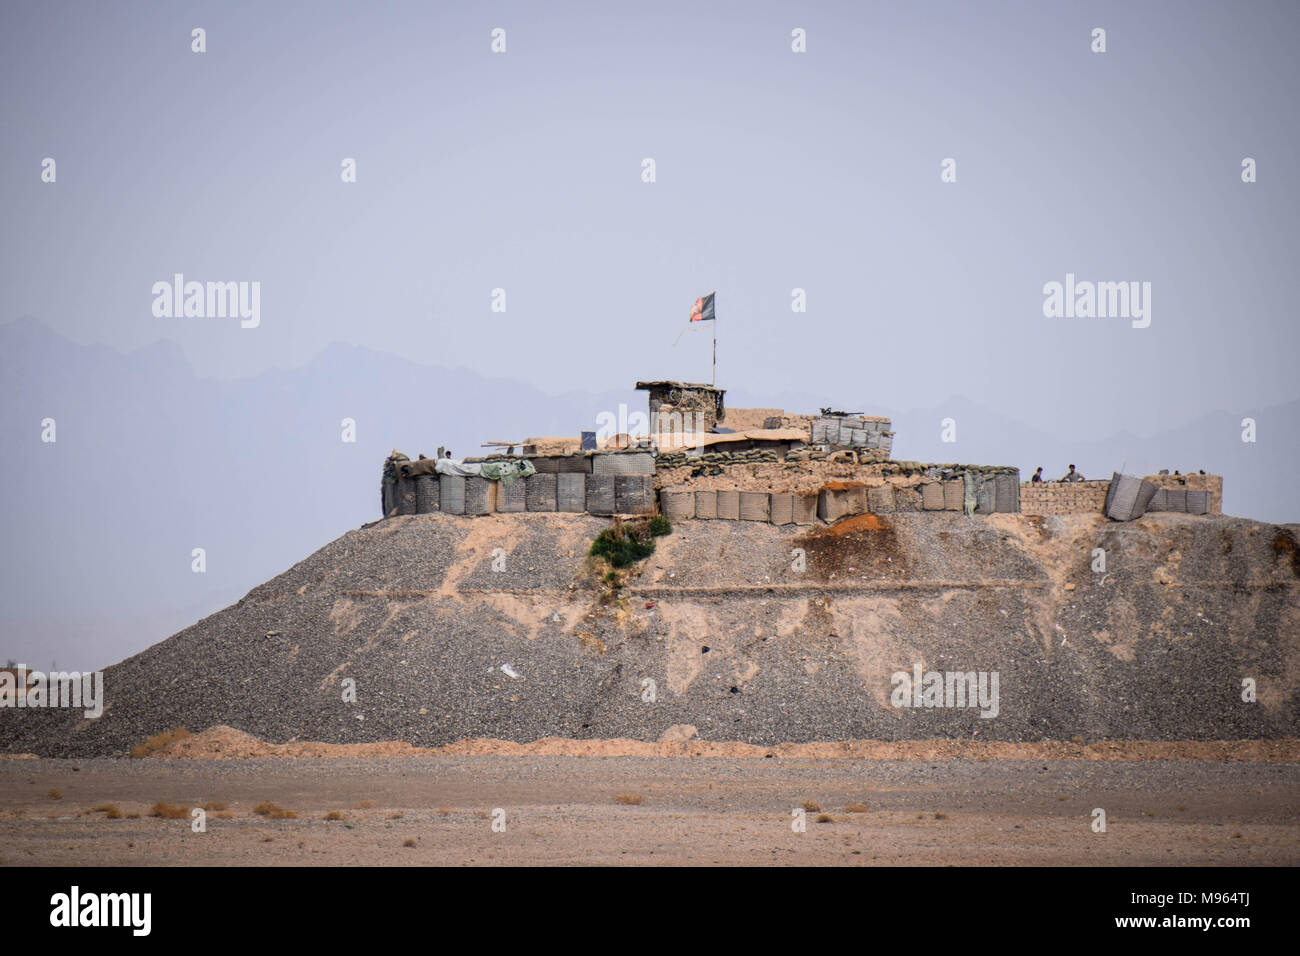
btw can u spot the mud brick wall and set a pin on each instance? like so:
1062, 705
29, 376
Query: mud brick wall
1062, 497
1066, 498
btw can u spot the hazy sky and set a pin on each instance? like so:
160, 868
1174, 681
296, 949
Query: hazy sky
775, 170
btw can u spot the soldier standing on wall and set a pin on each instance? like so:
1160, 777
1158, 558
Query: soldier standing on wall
1072, 475
1038, 476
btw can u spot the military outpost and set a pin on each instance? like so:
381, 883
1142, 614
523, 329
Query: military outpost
699, 460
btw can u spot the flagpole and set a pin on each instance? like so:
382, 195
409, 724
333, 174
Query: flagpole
715, 351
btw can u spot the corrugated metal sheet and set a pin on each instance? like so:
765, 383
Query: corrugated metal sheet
451, 494
540, 495
600, 494
1176, 499
1157, 502
986, 496
782, 509
706, 504
570, 492
805, 507
1198, 502
880, 500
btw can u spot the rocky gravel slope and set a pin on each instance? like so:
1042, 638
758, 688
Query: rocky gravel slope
722, 630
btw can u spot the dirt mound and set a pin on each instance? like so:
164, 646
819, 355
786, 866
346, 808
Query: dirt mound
226, 743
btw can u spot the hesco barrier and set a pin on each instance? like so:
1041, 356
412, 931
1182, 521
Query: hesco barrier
634, 494
451, 494
831, 503
406, 504
480, 496
600, 494
953, 494
782, 509
540, 495
729, 505
677, 504
570, 492
755, 506
932, 496
623, 463
562, 465
426, 494
512, 498
706, 504
1127, 497
1008, 492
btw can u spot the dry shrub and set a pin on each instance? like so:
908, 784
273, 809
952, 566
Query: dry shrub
214, 806
168, 811
811, 806
274, 811
159, 741
481, 814
941, 816
109, 810
629, 798
445, 811
394, 816
857, 808
408, 842
333, 815
54, 795
223, 815
133, 816
364, 805
824, 818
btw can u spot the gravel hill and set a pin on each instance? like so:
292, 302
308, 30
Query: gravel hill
738, 643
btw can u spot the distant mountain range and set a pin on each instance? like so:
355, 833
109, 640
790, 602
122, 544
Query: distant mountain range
151, 462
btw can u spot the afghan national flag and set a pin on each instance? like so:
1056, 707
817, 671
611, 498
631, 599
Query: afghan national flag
703, 311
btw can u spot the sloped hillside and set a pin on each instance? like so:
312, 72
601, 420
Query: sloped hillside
736, 640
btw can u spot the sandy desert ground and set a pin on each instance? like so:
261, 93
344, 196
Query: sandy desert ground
573, 810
